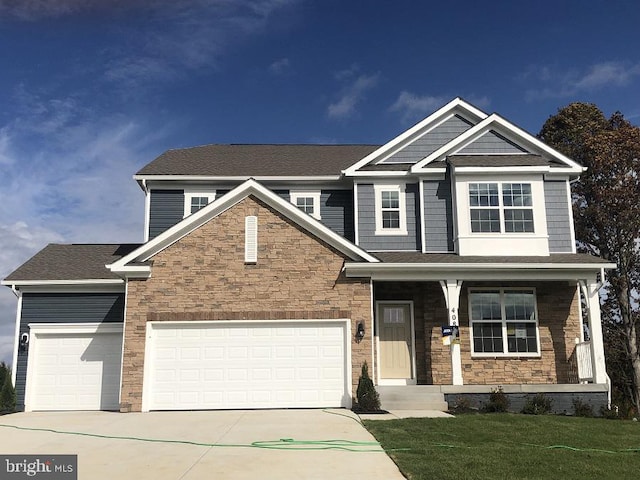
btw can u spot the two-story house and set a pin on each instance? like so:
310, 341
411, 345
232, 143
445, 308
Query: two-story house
445, 259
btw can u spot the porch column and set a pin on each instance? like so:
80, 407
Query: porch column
451, 290
590, 289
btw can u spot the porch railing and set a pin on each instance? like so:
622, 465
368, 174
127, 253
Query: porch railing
583, 359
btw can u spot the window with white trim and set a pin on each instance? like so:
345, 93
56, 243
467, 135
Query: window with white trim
196, 200
504, 322
501, 208
390, 206
308, 202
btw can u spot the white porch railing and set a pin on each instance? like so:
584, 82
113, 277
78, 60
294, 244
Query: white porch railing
583, 359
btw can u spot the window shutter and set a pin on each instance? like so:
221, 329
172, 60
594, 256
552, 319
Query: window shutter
250, 239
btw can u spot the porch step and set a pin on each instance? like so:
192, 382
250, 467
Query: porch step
412, 397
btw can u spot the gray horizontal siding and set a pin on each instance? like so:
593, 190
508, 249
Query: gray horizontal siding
438, 215
431, 141
491, 142
336, 211
165, 210
63, 308
367, 222
558, 219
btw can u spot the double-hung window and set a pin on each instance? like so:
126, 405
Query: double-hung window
504, 322
196, 200
501, 208
308, 202
390, 206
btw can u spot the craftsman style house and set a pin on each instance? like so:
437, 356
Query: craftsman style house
445, 259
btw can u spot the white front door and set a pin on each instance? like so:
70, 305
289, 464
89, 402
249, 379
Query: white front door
395, 336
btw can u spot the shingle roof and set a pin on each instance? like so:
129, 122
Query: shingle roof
72, 262
499, 161
417, 257
258, 160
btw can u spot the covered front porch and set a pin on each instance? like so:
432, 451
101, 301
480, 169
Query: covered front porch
443, 331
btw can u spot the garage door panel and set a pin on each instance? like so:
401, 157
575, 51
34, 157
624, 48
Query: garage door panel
258, 366
75, 371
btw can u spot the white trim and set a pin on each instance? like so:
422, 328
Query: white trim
381, 173
356, 216
250, 239
505, 128
124, 331
294, 195
401, 190
372, 315
501, 170
422, 221
148, 368
115, 288
222, 204
572, 228
454, 106
147, 210
37, 329
94, 282
16, 342
196, 192
397, 381
503, 321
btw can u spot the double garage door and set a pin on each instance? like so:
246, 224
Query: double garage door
218, 365
193, 365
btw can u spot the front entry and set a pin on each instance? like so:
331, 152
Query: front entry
395, 335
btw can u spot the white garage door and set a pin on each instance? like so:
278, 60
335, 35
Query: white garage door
225, 365
74, 367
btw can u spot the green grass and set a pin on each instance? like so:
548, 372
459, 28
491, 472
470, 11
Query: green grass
509, 446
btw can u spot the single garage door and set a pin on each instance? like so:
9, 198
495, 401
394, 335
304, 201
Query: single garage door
227, 365
74, 367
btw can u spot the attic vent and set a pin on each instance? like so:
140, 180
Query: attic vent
250, 239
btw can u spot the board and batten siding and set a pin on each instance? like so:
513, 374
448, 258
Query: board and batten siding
430, 141
491, 142
166, 208
557, 207
438, 216
367, 237
63, 308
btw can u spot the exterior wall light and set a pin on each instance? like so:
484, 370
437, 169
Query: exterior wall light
359, 332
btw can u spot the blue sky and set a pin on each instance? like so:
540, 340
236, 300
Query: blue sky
91, 91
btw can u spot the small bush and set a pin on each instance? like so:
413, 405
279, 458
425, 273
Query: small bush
463, 404
498, 402
367, 397
582, 409
539, 404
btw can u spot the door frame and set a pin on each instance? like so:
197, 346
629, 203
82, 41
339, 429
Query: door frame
395, 381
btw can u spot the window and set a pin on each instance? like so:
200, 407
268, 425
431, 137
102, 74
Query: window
195, 200
391, 216
503, 321
250, 239
308, 202
501, 208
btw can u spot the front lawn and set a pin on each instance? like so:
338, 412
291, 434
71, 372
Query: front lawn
510, 446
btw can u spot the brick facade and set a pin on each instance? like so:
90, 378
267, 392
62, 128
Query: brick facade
203, 276
559, 326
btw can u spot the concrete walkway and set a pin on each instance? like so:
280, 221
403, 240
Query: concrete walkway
109, 458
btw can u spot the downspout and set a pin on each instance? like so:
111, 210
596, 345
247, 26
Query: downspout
16, 341
147, 208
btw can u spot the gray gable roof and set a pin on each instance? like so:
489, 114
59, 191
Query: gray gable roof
257, 160
71, 262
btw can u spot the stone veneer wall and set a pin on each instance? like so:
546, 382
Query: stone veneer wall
559, 325
203, 276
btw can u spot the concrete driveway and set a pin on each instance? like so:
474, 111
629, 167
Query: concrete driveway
108, 457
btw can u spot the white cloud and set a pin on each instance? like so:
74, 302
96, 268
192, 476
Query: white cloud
280, 66
353, 92
414, 107
556, 83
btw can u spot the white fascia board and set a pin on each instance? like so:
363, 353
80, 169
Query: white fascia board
241, 178
369, 173
131, 271
52, 283
456, 103
512, 169
215, 208
495, 121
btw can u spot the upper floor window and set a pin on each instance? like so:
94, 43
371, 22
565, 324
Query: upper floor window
196, 200
501, 207
503, 321
308, 202
390, 206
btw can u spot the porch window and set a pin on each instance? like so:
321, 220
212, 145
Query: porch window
504, 321
501, 208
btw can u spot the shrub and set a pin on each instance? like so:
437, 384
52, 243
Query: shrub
463, 405
539, 404
366, 395
582, 409
498, 402
7, 392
